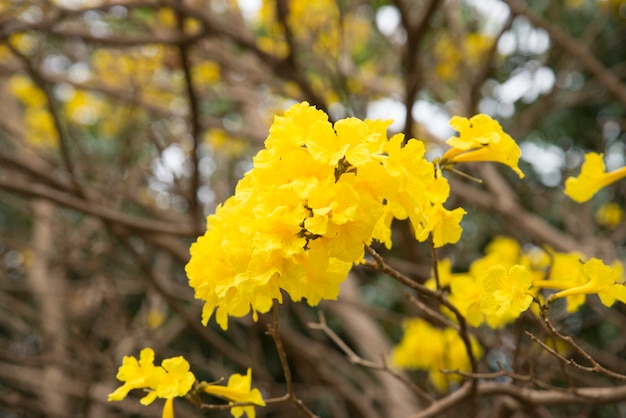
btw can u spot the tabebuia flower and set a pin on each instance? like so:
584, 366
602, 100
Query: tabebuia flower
238, 391
168, 381
592, 178
173, 379
299, 219
605, 281
506, 293
481, 138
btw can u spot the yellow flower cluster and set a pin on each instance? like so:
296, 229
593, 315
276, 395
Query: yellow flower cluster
173, 379
501, 285
433, 349
300, 218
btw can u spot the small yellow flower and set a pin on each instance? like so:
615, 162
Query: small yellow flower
171, 379
592, 178
481, 138
238, 391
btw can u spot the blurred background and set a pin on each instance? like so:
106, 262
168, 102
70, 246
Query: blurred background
123, 124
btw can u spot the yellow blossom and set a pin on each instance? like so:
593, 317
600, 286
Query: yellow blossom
300, 218
609, 215
171, 379
466, 294
592, 178
238, 391
566, 272
506, 293
433, 349
603, 280
481, 139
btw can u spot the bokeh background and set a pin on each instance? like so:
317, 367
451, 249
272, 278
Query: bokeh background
124, 123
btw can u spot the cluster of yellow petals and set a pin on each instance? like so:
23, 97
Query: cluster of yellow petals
433, 349
501, 285
173, 379
300, 218
497, 287
592, 178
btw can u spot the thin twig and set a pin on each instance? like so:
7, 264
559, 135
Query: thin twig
380, 265
595, 366
356, 359
194, 116
274, 332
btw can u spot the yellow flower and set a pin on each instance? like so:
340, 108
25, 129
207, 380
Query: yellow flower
566, 272
137, 375
603, 280
466, 294
433, 349
506, 293
591, 179
609, 215
481, 139
300, 218
238, 391
171, 379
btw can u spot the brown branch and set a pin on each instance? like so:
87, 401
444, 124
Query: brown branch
52, 106
358, 360
415, 32
92, 208
195, 208
380, 265
209, 337
274, 332
595, 366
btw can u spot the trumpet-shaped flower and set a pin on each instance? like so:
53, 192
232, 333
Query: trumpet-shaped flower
171, 379
566, 272
603, 280
481, 138
506, 294
238, 391
592, 178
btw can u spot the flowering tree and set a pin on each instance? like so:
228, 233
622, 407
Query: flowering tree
284, 208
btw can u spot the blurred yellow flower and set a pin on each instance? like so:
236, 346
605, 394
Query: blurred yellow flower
433, 349
609, 215
566, 272
592, 178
